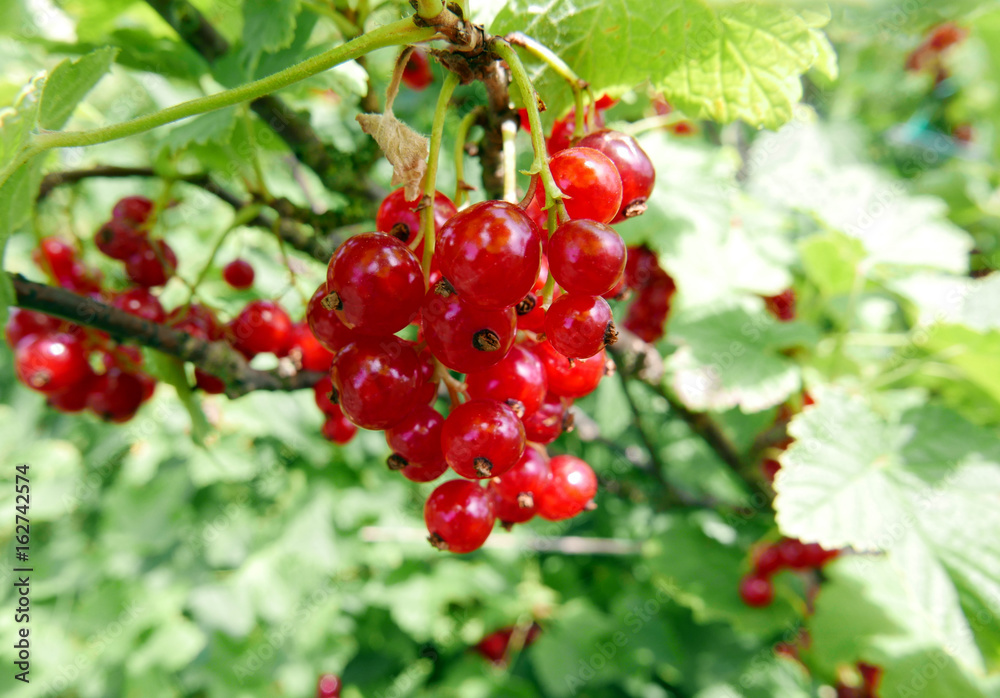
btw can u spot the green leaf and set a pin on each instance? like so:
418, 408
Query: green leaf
732, 358
741, 61
702, 573
269, 25
170, 370
870, 611
855, 478
215, 128
830, 261
69, 83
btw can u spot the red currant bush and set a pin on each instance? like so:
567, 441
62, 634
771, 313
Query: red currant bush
482, 438
459, 516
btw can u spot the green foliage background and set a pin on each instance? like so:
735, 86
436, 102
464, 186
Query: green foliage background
242, 567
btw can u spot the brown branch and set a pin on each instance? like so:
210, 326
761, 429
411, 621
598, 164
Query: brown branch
216, 358
641, 361
318, 246
338, 171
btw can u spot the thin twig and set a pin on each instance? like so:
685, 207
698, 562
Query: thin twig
216, 358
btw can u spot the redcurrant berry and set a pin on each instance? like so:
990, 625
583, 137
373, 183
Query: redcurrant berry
262, 326
580, 326
518, 381
306, 351
482, 438
116, 396
632, 163
375, 284
590, 182
152, 265
550, 421
324, 323
463, 337
209, 383
490, 253
50, 363
586, 257
134, 209
401, 218
118, 239
21, 323
570, 377
417, 73
328, 686
141, 303
756, 591
569, 489
514, 493
238, 274
55, 256
782, 306
338, 428
459, 516
416, 444
377, 380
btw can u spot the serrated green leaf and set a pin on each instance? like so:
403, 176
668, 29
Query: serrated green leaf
738, 62
214, 128
731, 358
854, 478
69, 83
269, 25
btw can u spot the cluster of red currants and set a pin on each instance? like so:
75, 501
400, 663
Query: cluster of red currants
653, 288
483, 311
148, 261
756, 588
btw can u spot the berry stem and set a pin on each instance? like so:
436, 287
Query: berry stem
529, 96
403, 31
508, 131
429, 9
461, 138
430, 176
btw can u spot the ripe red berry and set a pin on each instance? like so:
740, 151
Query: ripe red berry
770, 468
209, 383
494, 646
338, 428
756, 592
55, 256
590, 182
50, 363
459, 516
262, 326
570, 377
515, 492
792, 553
306, 351
73, 399
375, 284
580, 326
490, 254
550, 421
482, 438
134, 209
782, 306
569, 489
376, 379
586, 257
322, 391
152, 265
141, 303
401, 218
324, 323
463, 337
633, 165
417, 73
198, 321
416, 445
21, 323
530, 313
116, 395
238, 274
518, 381
767, 561
328, 686
119, 239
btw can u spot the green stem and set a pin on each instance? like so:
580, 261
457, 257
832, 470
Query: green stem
561, 68
540, 165
429, 9
461, 137
403, 31
346, 27
255, 162
508, 131
430, 177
